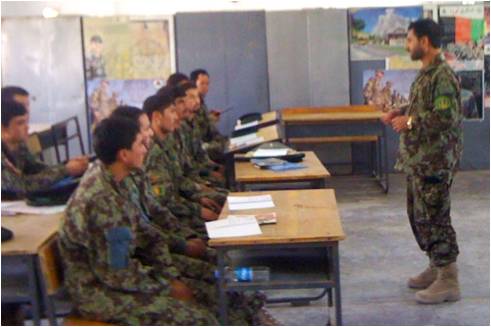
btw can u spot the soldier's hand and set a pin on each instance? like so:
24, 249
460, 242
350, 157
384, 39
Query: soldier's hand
389, 116
196, 248
210, 204
77, 166
208, 214
181, 291
399, 124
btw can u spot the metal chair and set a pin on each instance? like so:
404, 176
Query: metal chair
62, 137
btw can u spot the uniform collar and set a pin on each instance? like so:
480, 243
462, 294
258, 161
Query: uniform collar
438, 60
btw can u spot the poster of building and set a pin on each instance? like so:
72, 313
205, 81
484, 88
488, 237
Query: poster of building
126, 60
378, 33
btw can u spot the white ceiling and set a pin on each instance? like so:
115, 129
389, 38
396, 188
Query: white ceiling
169, 7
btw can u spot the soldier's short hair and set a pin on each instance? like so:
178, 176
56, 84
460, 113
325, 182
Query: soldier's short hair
176, 79
96, 39
129, 112
10, 110
8, 92
156, 103
183, 88
112, 135
429, 28
195, 74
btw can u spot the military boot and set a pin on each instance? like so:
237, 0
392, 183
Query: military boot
444, 288
424, 279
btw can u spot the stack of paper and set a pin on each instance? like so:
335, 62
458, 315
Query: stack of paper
270, 152
250, 202
22, 207
245, 140
233, 226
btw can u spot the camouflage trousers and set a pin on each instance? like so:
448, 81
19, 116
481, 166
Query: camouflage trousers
428, 209
104, 304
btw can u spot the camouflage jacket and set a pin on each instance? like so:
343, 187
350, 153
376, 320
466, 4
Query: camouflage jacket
434, 144
163, 168
211, 137
107, 242
22, 172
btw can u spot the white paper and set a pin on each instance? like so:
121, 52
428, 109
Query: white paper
250, 202
233, 226
243, 139
22, 207
270, 152
238, 127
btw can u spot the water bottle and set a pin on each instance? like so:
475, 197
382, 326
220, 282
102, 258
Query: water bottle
246, 274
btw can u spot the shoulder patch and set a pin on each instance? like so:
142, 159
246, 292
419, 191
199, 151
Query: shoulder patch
443, 102
156, 190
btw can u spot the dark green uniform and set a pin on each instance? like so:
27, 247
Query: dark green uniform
429, 154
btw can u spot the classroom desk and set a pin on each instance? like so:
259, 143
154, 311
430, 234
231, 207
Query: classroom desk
268, 134
305, 219
267, 119
30, 233
341, 124
315, 172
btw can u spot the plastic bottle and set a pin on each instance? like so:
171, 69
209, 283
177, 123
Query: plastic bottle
246, 274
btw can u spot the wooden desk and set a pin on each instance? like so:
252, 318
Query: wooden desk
305, 219
341, 124
315, 172
268, 134
30, 233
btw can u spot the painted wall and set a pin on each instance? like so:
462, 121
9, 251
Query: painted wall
231, 46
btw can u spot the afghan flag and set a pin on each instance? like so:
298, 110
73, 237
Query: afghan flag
468, 30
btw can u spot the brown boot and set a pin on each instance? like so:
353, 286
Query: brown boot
264, 318
424, 279
444, 288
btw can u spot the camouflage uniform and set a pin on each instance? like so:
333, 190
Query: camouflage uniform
22, 172
118, 265
213, 142
167, 183
196, 162
429, 154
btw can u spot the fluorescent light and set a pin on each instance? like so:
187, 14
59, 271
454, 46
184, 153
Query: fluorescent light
49, 12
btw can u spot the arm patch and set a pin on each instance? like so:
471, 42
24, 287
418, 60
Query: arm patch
118, 242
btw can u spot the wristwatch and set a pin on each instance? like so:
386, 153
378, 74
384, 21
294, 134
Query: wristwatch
409, 123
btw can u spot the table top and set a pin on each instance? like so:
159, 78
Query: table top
323, 114
30, 232
303, 216
269, 134
245, 171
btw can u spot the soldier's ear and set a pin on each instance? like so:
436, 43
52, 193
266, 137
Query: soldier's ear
123, 156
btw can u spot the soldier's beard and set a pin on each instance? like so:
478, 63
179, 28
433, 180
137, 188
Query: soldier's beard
417, 54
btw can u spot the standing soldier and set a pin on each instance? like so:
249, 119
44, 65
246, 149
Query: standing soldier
429, 151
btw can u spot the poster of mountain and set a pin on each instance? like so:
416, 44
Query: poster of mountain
378, 33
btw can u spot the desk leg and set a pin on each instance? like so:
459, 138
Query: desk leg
222, 293
34, 289
337, 281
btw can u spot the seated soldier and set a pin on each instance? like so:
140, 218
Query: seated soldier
189, 137
161, 216
21, 171
118, 266
163, 169
214, 142
17, 94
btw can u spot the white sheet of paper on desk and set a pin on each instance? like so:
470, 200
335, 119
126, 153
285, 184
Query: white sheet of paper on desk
270, 152
233, 226
23, 208
246, 125
250, 202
